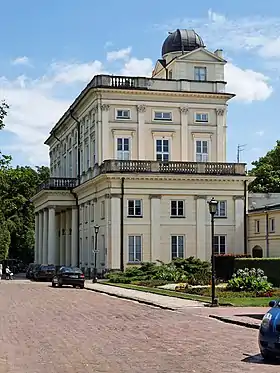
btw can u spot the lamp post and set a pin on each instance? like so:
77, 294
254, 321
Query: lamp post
95, 251
213, 209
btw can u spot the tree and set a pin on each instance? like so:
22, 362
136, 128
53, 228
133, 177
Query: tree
267, 172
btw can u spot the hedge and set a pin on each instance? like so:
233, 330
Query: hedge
270, 266
224, 265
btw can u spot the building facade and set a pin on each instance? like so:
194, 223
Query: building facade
140, 157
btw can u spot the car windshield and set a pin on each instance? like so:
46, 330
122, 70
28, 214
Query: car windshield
47, 268
71, 270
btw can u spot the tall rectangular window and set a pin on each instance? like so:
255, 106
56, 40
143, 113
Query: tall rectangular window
200, 73
134, 207
134, 249
177, 208
257, 226
221, 209
177, 247
220, 244
162, 150
201, 150
123, 148
271, 225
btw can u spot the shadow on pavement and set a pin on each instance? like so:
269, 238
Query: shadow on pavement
257, 359
257, 316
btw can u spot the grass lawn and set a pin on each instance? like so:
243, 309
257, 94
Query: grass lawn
234, 301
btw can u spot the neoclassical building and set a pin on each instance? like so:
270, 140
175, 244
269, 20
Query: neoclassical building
140, 157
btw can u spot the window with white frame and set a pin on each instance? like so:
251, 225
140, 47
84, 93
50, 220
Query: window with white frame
123, 114
134, 208
271, 225
163, 115
201, 150
123, 148
134, 249
220, 244
177, 247
177, 208
257, 226
221, 209
201, 117
170, 75
162, 150
200, 73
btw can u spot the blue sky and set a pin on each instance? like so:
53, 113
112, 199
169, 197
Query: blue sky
51, 49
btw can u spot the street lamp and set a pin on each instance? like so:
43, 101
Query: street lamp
213, 204
95, 250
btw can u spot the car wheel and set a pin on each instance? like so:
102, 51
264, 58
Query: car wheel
267, 355
82, 286
59, 284
53, 284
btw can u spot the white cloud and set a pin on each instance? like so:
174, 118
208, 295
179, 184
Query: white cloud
270, 49
121, 54
260, 133
248, 85
21, 61
138, 67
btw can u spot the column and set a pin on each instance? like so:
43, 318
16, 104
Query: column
74, 237
141, 132
239, 224
41, 229
98, 135
104, 151
62, 239
184, 134
155, 246
68, 237
201, 249
221, 138
51, 236
115, 240
45, 237
57, 234
36, 244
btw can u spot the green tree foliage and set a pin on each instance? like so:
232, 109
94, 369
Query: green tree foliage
17, 186
267, 172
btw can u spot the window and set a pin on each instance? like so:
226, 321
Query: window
102, 210
134, 249
221, 209
220, 244
70, 164
177, 208
93, 152
201, 151
161, 115
123, 114
170, 74
92, 211
271, 225
162, 150
201, 117
257, 226
123, 149
87, 157
177, 247
200, 73
134, 207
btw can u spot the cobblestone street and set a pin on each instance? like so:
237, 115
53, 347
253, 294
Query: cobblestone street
48, 330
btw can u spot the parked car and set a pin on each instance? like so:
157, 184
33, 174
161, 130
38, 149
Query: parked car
69, 276
269, 332
31, 270
44, 272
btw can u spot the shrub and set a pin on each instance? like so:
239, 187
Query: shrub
249, 280
270, 266
150, 283
224, 265
197, 272
170, 273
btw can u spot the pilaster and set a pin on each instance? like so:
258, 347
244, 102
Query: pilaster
51, 237
155, 245
115, 232
68, 237
74, 237
45, 237
239, 223
184, 133
41, 244
201, 227
221, 138
141, 132
104, 132
62, 239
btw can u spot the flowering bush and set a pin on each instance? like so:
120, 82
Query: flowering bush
249, 280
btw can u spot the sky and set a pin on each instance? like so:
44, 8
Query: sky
50, 49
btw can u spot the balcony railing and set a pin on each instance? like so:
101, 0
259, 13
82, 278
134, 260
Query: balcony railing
134, 82
207, 168
61, 183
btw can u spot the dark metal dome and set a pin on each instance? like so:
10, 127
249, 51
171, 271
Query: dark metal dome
182, 41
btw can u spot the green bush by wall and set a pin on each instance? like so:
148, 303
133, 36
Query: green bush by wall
270, 266
224, 265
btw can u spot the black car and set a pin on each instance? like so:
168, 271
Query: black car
31, 270
45, 272
69, 276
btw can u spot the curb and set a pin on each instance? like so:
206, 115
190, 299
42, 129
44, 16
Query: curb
235, 322
148, 303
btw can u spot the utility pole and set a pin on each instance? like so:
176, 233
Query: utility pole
240, 148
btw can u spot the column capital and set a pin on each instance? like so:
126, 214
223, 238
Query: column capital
200, 197
105, 107
115, 195
184, 109
51, 207
238, 197
155, 196
94, 200
141, 108
107, 195
220, 112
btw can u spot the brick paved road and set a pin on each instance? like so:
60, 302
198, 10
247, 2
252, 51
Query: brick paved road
65, 330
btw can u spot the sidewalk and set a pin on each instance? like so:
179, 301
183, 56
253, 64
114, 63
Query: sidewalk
161, 301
